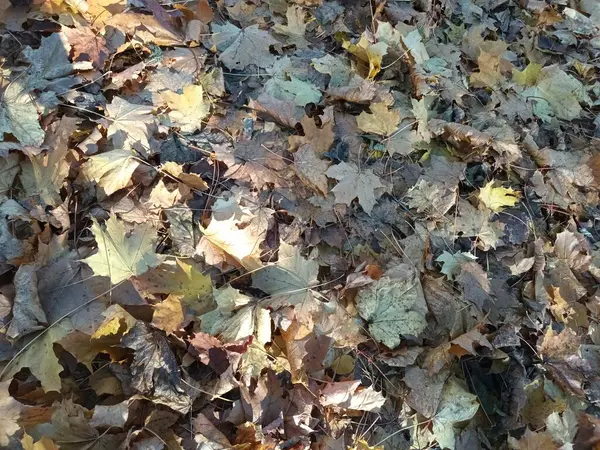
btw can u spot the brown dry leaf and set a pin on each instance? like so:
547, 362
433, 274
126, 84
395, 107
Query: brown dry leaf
355, 183
310, 169
10, 412
87, 46
321, 139
425, 390
347, 394
191, 179
381, 121
536, 440
168, 314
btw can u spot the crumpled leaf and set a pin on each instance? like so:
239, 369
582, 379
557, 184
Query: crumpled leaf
112, 170
344, 394
382, 121
28, 315
19, 115
367, 53
242, 47
154, 368
311, 169
110, 415
121, 256
394, 306
10, 412
496, 198
354, 183
187, 109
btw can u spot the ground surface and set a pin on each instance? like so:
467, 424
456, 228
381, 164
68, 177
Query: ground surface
328, 225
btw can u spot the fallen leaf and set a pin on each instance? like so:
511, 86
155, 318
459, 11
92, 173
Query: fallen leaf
87, 46
497, 198
19, 116
344, 394
295, 28
382, 121
40, 358
28, 315
112, 170
121, 256
154, 368
168, 315
241, 47
393, 306
354, 183
10, 413
310, 169
556, 93
129, 123
367, 53
187, 109
110, 415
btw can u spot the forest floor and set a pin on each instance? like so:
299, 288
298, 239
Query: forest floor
302, 224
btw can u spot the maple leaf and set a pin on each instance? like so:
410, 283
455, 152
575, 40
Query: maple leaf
528, 76
129, 123
187, 109
45, 173
535, 440
235, 317
241, 244
293, 90
19, 116
241, 47
457, 404
367, 53
50, 65
496, 198
321, 139
556, 93
289, 282
87, 45
191, 179
40, 358
121, 256
111, 171
295, 28
338, 69
394, 306
179, 278
355, 183
451, 263
383, 121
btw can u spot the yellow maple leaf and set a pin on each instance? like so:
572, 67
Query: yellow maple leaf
496, 198
187, 109
370, 54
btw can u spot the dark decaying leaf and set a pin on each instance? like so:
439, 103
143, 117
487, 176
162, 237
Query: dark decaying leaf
154, 368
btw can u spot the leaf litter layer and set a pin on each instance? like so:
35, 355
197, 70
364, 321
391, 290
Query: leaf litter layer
304, 224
